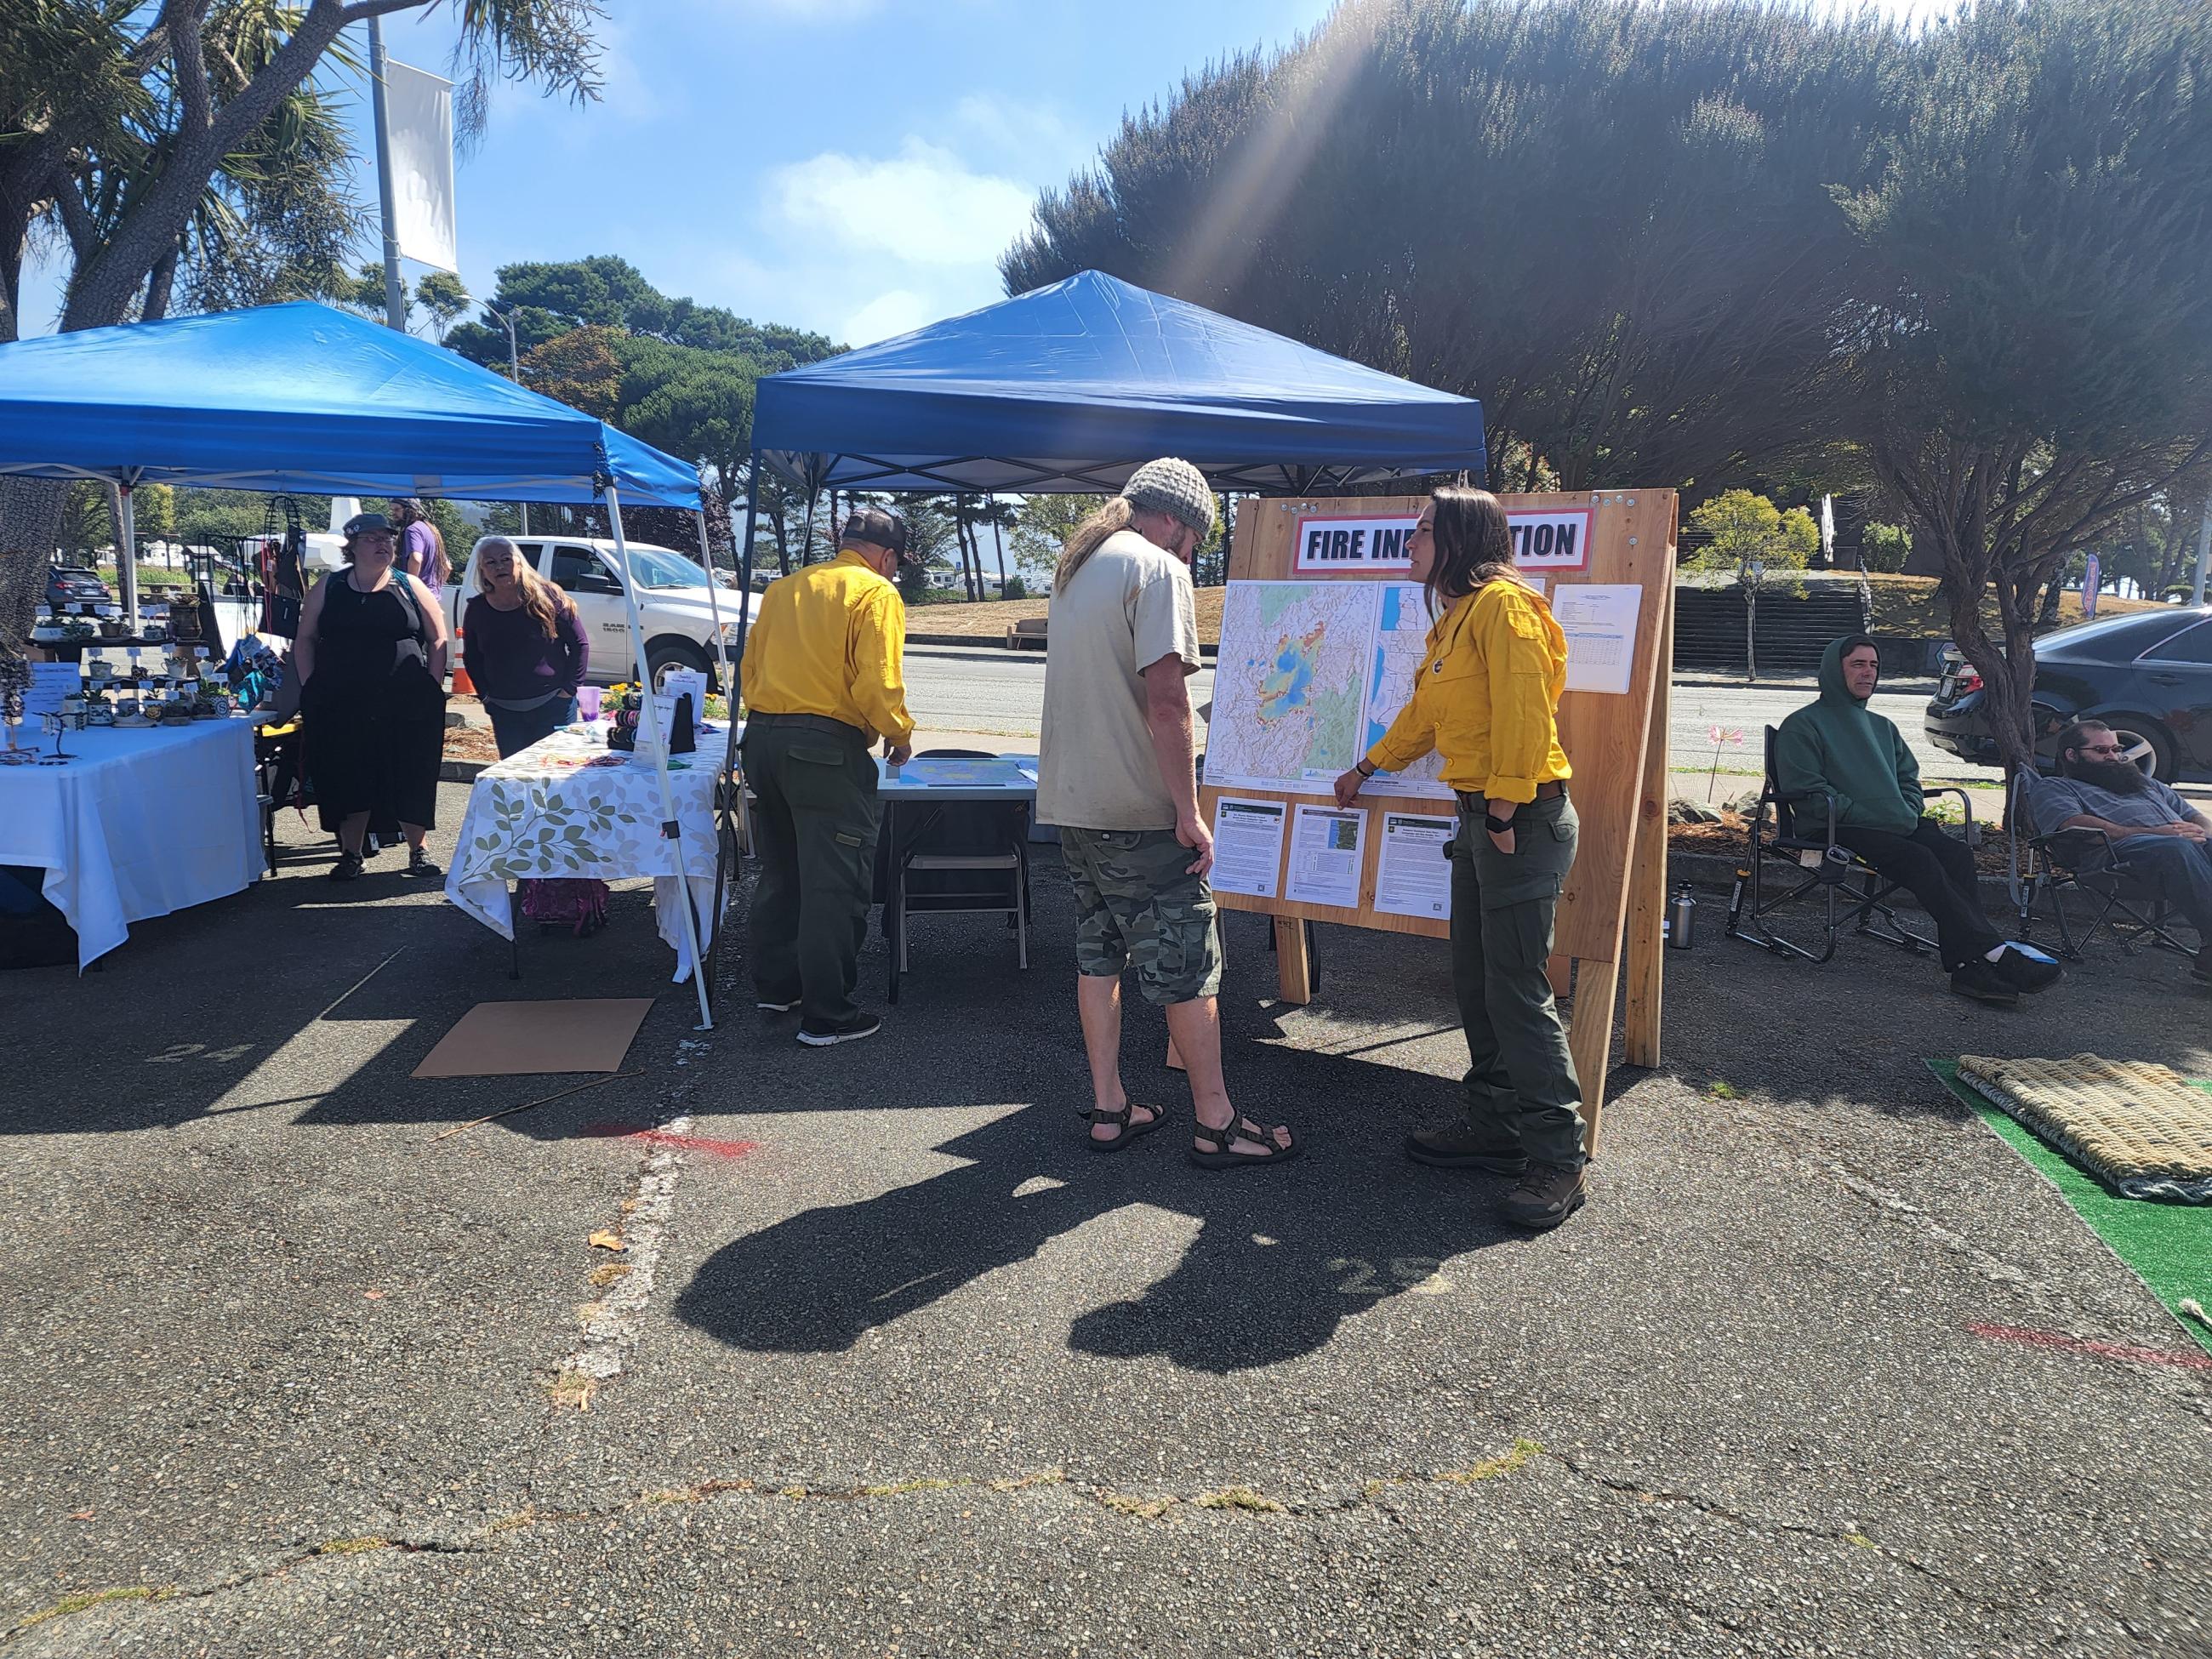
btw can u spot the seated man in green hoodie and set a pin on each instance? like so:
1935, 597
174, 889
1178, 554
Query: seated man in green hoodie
1841, 747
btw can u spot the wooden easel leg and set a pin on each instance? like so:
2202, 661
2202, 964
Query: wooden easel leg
1647, 871
1560, 971
1590, 1039
1294, 966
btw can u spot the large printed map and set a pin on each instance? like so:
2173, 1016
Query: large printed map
1401, 648
1287, 682
1308, 675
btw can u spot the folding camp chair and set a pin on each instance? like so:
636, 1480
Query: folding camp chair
2046, 867
1843, 887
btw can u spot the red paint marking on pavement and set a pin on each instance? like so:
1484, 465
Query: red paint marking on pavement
661, 1138
2195, 1361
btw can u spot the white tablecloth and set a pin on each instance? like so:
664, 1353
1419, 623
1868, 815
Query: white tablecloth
140, 823
544, 812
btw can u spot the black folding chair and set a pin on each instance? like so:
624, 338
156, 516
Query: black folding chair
2046, 868
1843, 889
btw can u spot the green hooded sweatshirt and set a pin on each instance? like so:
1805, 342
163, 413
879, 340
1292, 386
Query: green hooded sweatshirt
1842, 746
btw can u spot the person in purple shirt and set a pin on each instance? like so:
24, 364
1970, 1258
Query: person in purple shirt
422, 549
522, 646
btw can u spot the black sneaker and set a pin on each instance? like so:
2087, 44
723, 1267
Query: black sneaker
852, 1030
1980, 981
419, 865
348, 868
2026, 973
1457, 1145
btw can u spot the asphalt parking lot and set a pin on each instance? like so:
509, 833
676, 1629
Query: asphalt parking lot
890, 1363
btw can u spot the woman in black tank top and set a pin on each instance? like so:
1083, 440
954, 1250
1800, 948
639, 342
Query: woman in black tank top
371, 656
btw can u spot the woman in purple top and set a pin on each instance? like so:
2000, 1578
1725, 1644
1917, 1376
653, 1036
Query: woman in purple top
422, 549
522, 645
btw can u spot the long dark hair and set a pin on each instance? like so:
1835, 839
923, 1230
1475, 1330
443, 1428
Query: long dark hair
1473, 543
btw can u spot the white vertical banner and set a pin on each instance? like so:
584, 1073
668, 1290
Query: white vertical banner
419, 108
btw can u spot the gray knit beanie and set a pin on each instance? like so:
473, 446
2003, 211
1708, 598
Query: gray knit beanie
1173, 487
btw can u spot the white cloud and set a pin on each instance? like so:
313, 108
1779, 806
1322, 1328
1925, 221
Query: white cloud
898, 311
1037, 138
923, 206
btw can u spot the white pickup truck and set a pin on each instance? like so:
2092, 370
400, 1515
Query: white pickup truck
672, 602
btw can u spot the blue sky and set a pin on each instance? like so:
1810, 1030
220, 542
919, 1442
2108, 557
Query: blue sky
850, 166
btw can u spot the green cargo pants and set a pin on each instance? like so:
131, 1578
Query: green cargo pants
1521, 1083
815, 831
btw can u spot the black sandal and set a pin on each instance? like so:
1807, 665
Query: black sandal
1240, 1127
1130, 1129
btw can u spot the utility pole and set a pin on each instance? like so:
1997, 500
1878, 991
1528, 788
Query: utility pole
514, 368
395, 296
2203, 552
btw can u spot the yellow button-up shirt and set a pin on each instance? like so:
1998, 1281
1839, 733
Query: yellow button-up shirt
831, 640
1488, 696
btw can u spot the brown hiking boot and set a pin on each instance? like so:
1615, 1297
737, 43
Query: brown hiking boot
1544, 1196
1460, 1146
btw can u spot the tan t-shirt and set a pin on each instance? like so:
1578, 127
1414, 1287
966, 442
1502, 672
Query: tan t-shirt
1129, 606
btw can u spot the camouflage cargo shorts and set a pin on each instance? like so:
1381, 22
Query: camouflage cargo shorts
1138, 905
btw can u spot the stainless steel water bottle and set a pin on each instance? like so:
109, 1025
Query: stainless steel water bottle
1682, 919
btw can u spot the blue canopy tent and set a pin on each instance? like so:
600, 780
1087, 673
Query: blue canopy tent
1073, 386
304, 397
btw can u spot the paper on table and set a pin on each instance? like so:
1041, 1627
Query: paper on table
1412, 877
1600, 621
1247, 846
49, 682
1327, 843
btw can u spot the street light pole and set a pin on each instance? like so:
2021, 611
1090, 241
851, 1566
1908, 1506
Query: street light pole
395, 296
514, 368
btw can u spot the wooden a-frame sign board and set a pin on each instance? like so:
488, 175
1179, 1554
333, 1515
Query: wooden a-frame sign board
1614, 901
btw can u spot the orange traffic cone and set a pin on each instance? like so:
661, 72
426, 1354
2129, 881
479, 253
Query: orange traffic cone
463, 685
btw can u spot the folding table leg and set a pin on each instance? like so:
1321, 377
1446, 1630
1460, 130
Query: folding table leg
515, 932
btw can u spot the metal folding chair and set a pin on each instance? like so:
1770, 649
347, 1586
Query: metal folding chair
1844, 889
2046, 867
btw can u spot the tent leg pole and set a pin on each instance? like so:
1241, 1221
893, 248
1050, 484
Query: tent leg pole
733, 801
126, 553
672, 829
713, 607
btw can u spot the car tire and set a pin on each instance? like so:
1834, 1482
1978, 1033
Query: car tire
663, 654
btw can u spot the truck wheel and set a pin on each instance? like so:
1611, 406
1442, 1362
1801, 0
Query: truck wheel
662, 655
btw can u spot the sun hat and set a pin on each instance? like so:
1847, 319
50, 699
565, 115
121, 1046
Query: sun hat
1173, 487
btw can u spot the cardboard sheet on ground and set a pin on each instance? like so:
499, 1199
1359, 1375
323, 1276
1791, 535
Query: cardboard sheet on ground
521, 1039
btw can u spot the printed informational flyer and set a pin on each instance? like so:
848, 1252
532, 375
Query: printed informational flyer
1413, 877
1247, 846
1327, 844
1599, 619
49, 682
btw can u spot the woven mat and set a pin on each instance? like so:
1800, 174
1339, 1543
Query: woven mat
2139, 1127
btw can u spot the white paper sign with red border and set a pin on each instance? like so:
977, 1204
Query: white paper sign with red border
1541, 541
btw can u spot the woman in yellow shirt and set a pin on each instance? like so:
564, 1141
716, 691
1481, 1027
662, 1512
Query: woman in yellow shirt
1487, 700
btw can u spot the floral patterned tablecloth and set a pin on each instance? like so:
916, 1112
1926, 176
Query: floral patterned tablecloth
569, 807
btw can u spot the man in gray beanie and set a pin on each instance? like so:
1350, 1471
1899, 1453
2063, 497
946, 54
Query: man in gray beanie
1115, 774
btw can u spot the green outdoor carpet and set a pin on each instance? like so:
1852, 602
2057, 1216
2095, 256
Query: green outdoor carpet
2168, 1246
